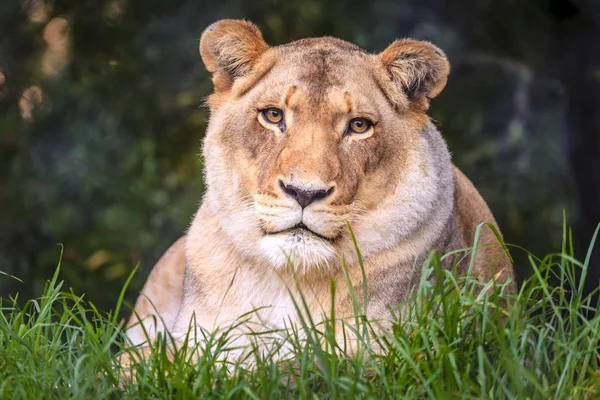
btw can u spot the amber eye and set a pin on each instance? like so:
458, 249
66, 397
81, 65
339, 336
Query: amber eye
359, 125
272, 115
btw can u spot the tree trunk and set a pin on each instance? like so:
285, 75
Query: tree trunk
576, 53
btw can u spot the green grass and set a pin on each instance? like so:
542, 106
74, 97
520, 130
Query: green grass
456, 338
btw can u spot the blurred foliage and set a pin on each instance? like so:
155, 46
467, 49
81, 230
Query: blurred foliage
101, 120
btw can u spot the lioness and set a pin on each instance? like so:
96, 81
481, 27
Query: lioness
304, 139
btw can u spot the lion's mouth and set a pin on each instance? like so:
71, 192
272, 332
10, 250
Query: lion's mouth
302, 229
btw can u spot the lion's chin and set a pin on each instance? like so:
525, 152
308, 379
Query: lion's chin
298, 249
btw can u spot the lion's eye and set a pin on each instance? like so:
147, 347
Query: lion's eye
272, 115
359, 125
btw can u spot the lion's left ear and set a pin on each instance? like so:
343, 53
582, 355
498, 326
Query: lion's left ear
416, 68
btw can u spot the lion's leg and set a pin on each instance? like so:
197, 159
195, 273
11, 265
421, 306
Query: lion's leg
160, 299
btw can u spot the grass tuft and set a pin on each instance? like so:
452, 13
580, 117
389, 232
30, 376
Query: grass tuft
456, 337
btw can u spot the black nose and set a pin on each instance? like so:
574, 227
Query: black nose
304, 197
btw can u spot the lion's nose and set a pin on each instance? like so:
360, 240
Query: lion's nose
304, 197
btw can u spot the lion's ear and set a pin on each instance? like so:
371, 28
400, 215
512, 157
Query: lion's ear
418, 69
230, 48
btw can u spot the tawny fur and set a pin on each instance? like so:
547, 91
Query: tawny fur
395, 184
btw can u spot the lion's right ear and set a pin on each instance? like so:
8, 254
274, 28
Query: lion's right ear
229, 49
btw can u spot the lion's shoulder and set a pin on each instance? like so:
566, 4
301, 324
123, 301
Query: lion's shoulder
471, 210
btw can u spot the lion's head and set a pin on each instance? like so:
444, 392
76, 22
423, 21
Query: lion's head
310, 135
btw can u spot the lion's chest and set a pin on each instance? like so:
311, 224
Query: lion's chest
269, 301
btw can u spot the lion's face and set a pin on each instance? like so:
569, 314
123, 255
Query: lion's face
308, 137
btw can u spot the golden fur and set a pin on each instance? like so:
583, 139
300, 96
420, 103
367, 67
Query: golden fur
395, 184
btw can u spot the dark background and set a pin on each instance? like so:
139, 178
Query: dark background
101, 120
